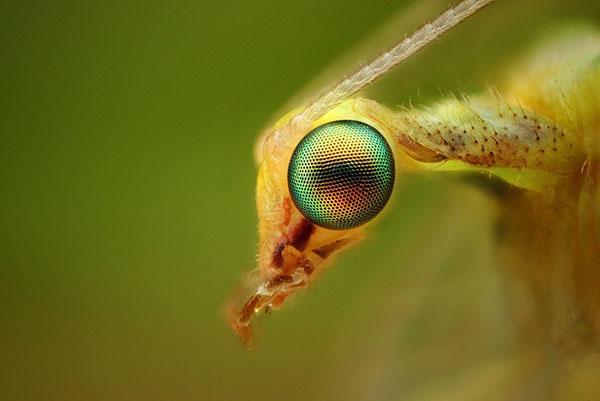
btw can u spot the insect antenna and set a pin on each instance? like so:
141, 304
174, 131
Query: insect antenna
377, 67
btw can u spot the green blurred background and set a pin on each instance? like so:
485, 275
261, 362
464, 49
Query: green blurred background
127, 207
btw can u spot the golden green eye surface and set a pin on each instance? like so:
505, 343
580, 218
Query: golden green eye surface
341, 174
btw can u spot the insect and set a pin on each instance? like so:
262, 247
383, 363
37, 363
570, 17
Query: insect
326, 171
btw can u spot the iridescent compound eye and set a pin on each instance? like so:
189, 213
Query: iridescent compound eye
341, 174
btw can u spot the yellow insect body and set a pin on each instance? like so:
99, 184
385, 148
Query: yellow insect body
538, 131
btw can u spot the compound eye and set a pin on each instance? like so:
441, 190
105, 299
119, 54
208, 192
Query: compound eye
341, 174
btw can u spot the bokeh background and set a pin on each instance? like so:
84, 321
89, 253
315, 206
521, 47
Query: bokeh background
127, 205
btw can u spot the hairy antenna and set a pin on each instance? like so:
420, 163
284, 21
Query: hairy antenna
389, 59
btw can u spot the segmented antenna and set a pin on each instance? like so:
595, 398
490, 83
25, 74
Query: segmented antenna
389, 59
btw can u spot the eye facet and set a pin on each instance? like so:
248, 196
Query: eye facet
341, 174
